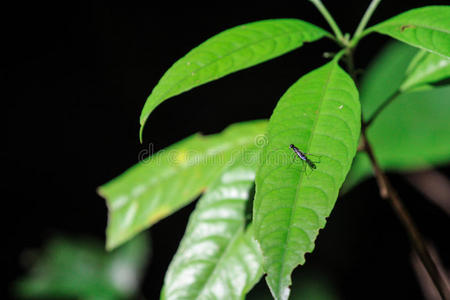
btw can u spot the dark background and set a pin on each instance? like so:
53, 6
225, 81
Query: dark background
76, 77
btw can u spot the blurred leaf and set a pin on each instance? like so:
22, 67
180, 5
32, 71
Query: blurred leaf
426, 68
320, 114
411, 133
384, 76
314, 288
157, 187
361, 169
416, 60
229, 51
82, 269
422, 87
217, 259
425, 27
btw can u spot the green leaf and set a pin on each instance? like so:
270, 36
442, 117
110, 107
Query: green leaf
82, 269
411, 133
170, 179
227, 52
217, 259
426, 68
384, 76
320, 114
426, 28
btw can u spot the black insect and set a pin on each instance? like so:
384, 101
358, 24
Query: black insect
303, 157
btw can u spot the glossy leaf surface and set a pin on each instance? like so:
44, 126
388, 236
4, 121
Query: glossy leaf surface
320, 114
227, 52
427, 68
426, 28
170, 179
217, 259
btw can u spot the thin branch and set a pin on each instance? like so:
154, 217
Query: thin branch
329, 19
366, 17
390, 194
382, 107
429, 290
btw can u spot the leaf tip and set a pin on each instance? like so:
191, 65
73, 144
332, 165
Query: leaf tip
141, 132
109, 246
278, 292
100, 192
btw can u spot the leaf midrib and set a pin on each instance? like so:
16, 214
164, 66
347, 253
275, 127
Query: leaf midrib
222, 257
173, 171
301, 180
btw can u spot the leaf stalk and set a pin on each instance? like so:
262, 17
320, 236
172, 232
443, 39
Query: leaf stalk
337, 31
365, 19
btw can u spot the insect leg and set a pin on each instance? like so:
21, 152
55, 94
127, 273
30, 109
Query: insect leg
314, 158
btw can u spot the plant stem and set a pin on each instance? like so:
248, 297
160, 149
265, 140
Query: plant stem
390, 194
329, 19
366, 17
382, 107
350, 63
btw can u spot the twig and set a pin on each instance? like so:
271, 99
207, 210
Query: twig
429, 290
390, 194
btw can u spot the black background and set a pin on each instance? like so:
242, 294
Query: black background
76, 77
